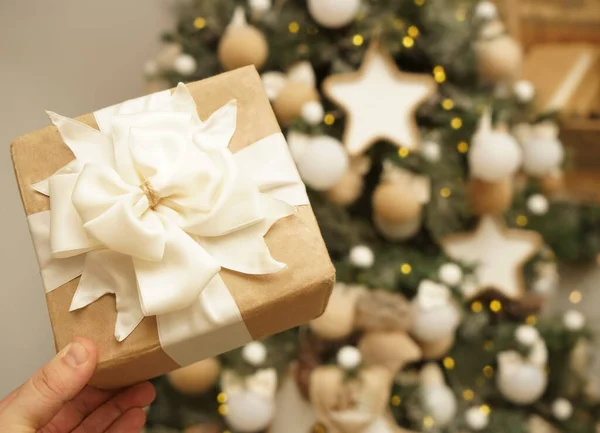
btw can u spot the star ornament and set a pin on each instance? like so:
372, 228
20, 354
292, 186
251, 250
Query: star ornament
499, 253
380, 102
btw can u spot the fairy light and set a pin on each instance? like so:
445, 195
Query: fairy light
406, 268
403, 152
419, 2
329, 119
531, 320
445, 192
476, 307
413, 31
408, 42
575, 297
428, 422
468, 394
488, 371
222, 397
396, 400
484, 408
199, 23
463, 147
461, 15
495, 306
357, 40
449, 362
447, 104
488, 345
223, 409
521, 220
439, 74
456, 123
294, 27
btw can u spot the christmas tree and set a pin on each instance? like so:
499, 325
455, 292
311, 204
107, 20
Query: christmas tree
438, 190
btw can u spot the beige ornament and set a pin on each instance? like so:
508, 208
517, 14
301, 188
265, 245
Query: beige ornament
196, 378
344, 405
165, 59
394, 204
380, 310
288, 104
337, 322
490, 197
242, 44
351, 185
538, 424
437, 349
553, 184
398, 232
392, 350
499, 55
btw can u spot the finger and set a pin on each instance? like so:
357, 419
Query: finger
137, 396
42, 396
132, 421
75, 411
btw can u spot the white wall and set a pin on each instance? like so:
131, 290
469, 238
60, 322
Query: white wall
71, 57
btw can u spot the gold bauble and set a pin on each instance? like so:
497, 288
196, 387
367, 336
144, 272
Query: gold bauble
242, 46
196, 378
392, 350
490, 197
499, 55
347, 190
289, 102
553, 184
437, 349
337, 322
395, 204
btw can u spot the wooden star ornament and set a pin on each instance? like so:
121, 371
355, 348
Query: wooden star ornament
498, 252
379, 101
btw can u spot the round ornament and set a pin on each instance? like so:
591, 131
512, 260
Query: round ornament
398, 232
323, 163
526, 335
487, 198
291, 99
574, 320
520, 381
524, 91
392, 350
395, 204
333, 14
538, 204
486, 10
552, 184
439, 402
361, 256
431, 151
242, 44
259, 7
499, 55
347, 190
249, 412
185, 65
542, 156
337, 322
562, 409
255, 353
435, 316
437, 349
312, 112
476, 418
349, 357
450, 274
196, 378
165, 59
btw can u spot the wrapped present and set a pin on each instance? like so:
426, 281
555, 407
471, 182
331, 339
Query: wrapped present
185, 207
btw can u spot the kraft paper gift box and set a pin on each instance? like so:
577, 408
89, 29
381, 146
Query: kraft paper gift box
193, 281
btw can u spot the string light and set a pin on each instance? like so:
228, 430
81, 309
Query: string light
476, 307
447, 104
419, 2
461, 15
488, 371
408, 42
445, 192
531, 320
456, 123
575, 297
488, 345
485, 409
449, 362
357, 40
413, 31
329, 119
403, 152
294, 27
396, 400
463, 147
406, 268
495, 306
522, 220
468, 394
223, 409
439, 74
222, 398
199, 23
428, 422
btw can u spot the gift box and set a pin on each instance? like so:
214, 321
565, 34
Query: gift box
171, 228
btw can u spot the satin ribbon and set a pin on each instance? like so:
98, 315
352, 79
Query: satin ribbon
154, 206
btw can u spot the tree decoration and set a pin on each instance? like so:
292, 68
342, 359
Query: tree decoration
486, 10
476, 418
254, 353
451, 274
333, 13
380, 102
349, 358
337, 322
434, 350
392, 350
292, 91
538, 204
499, 252
361, 256
435, 315
196, 378
430, 150
524, 91
259, 7
380, 310
242, 44
499, 55
490, 198
438, 400
574, 320
562, 409
185, 64
312, 112
543, 153
351, 185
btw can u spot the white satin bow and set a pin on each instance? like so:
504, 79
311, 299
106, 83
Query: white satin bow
157, 193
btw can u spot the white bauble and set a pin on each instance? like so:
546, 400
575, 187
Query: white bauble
544, 285
333, 13
519, 381
185, 64
433, 324
439, 402
398, 232
486, 10
249, 412
151, 68
526, 335
312, 112
431, 151
361, 256
524, 91
494, 155
254, 353
323, 163
476, 418
574, 320
562, 409
542, 156
349, 357
538, 204
259, 7
450, 274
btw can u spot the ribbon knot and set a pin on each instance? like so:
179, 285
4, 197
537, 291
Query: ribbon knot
151, 194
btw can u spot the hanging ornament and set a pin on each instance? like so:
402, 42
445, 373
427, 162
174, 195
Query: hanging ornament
486, 10
255, 353
495, 155
562, 409
437, 398
242, 44
361, 256
350, 187
435, 315
291, 92
349, 358
499, 252
196, 378
476, 418
526, 335
398, 232
337, 322
524, 91
321, 160
185, 65
430, 150
450, 274
379, 101
437, 349
333, 14
312, 112
392, 350
543, 153
259, 7
393, 203
490, 198
538, 204
553, 184
499, 55
573, 320
165, 59
250, 400
381, 310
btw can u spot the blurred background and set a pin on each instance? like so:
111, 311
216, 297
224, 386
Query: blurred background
478, 333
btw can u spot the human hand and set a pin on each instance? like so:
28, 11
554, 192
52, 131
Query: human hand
57, 399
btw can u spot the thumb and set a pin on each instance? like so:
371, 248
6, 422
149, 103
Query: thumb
59, 381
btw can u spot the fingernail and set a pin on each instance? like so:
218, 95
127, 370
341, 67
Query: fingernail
75, 355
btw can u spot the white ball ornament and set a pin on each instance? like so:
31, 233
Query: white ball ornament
259, 7
486, 10
440, 403
451, 274
323, 163
520, 381
524, 91
312, 112
185, 64
361, 256
526, 335
333, 14
574, 320
349, 358
431, 151
538, 204
249, 412
254, 353
476, 418
542, 156
562, 409
435, 316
